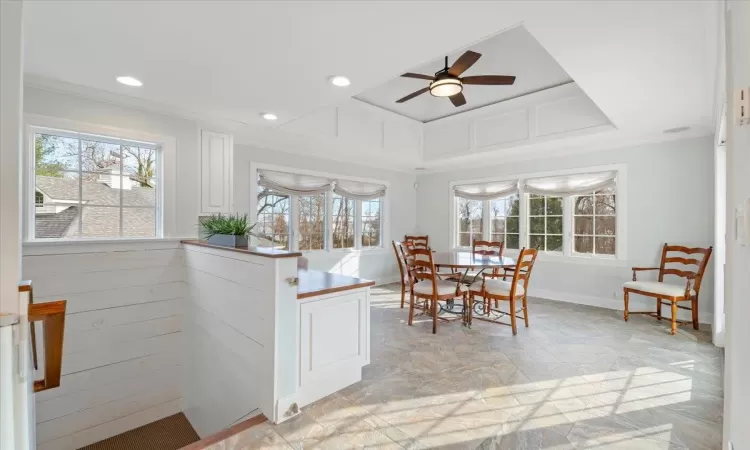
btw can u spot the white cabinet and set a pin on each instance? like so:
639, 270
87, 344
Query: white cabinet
216, 173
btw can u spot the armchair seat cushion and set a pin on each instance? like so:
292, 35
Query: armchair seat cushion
496, 287
443, 287
655, 287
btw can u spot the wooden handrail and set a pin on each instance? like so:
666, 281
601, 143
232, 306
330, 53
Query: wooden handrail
52, 316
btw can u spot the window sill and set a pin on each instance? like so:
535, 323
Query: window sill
92, 241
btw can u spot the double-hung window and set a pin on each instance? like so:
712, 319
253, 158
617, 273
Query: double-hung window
567, 215
306, 212
92, 186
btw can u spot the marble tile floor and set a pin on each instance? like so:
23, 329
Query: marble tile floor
578, 378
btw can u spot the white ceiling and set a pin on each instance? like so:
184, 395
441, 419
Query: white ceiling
513, 52
648, 65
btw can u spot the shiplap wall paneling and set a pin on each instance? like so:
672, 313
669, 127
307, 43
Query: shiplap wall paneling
123, 338
228, 336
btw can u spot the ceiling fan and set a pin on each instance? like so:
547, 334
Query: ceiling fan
447, 82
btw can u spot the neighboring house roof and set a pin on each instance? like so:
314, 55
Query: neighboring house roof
94, 192
50, 225
100, 213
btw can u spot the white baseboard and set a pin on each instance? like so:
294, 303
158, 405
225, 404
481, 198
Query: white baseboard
636, 304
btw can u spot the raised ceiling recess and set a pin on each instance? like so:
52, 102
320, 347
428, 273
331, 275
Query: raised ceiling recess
514, 52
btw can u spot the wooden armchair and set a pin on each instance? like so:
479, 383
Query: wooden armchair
672, 293
491, 289
398, 249
427, 285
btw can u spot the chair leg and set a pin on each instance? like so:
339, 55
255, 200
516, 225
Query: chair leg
434, 316
497, 304
411, 308
513, 315
674, 317
658, 308
471, 310
403, 294
626, 314
525, 312
695, 313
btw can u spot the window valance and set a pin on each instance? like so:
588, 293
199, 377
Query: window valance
486, 191
359, 190
577, 184
293, 184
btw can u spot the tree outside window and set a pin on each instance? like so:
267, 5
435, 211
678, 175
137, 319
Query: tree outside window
470, 223
504, 223
594, 223
545, 227
371, 219
312, 212
273, 219
343, 222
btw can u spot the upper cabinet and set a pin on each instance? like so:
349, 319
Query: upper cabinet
216, 173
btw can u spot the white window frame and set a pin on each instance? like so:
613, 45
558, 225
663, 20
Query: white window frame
294, 210
567, 255
165, 193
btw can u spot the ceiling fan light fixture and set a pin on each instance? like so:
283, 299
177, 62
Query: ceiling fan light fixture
446, 87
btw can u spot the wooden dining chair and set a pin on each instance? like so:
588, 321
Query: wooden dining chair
488, 248
490, 288
418, 241
398, 249
671, 293
427, 285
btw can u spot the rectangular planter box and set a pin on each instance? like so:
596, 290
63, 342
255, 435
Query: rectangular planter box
227, 240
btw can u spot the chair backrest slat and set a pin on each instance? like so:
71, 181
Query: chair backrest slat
494, 248
399, 251
418, 241
667, 257
421, 265
522, 272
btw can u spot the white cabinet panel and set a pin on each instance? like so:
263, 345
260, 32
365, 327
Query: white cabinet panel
334, 344
216, 172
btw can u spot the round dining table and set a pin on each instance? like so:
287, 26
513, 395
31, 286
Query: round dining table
466, 261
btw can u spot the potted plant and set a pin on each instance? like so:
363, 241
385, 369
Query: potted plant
228, 230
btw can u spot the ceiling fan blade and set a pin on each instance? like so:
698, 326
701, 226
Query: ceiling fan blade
464, 62
412, 95
458, 99
489, 79
418, 75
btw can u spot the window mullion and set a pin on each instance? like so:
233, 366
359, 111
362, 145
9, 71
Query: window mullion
522, 219
294, 225
567, 228
358, 224
329, 221
486, 220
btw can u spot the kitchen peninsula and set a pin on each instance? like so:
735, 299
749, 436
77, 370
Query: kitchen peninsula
264, 335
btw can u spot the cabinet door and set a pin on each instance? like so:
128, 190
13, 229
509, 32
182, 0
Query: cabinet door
216, 172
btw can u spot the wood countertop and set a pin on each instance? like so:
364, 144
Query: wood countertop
258, 251
314, 282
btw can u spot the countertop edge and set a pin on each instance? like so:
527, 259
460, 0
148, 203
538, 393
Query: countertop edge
246, 250
349, 287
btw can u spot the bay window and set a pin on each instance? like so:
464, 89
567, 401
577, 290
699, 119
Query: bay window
307, 212
574, 214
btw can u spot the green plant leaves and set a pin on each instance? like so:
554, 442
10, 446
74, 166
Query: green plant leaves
231, 224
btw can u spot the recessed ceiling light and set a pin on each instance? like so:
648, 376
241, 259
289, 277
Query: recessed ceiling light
129, 81
269, 116
676, 130
340, 81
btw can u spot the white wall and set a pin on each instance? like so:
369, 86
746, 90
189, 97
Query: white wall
122, 345
670, 199
186, 133
377, 264
737, 282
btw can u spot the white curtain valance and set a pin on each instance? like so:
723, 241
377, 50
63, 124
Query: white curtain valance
293, 184
359, 190
486, 191
577, 184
